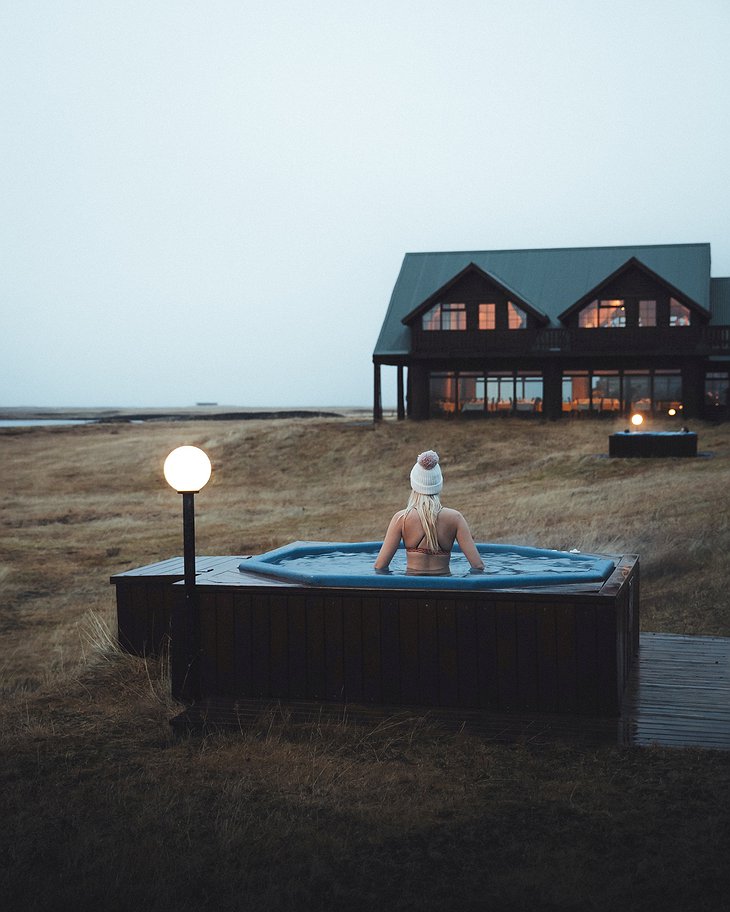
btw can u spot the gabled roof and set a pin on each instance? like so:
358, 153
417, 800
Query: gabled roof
473, 268
551, 280
633, 263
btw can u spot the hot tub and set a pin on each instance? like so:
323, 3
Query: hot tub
537, 645
652, 443
350, 565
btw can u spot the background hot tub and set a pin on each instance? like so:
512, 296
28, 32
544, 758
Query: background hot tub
566, 648
652, 443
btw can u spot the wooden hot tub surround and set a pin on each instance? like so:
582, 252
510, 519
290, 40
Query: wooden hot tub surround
566, 649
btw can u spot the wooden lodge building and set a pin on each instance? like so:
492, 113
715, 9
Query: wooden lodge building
558, 332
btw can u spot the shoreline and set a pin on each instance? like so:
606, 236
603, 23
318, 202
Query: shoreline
104, 414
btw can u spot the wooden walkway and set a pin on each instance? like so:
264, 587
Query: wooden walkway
679, 692
678, 696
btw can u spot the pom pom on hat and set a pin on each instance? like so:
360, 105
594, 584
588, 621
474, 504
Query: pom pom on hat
426, 477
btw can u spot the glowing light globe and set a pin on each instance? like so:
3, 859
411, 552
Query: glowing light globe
187, 469
672, 411
637, 420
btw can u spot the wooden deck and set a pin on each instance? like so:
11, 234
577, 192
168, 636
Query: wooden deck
679, 692
678, 696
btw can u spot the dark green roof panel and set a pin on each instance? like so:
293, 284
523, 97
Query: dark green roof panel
551, 280
720, 301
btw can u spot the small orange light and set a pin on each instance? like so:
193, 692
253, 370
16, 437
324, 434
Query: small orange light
637, 420
672, 411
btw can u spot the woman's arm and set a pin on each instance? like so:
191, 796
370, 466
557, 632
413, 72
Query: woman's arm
390, 542
466, 543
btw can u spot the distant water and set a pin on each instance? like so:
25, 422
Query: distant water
42, 422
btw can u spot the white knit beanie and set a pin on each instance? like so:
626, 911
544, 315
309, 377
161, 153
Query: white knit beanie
426, 475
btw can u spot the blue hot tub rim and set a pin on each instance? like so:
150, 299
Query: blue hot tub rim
598, 569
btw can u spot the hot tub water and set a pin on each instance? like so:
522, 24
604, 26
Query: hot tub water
351, 565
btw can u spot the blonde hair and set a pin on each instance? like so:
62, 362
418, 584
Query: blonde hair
428, 507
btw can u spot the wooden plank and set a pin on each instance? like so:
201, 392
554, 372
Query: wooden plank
179, 636
334, 665
174, 567
608, 689
408, 651
527, 657
448, 666
623, 648
243, 647
467, 645
586, 659
565, 657
507, 668
316, 686
547, 666
390, 671
297, 646
140, 620
352, 648
279, 646
168, 600
372, 688
428, 649
261, 653
152, 607
488, 670
225, 643
208, 643
126, 620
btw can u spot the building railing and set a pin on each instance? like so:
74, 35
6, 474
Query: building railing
697, 340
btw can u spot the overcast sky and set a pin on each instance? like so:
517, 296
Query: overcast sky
210, 201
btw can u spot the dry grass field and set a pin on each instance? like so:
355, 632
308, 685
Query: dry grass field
103, 809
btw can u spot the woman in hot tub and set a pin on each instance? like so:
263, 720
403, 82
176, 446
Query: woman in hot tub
427, 529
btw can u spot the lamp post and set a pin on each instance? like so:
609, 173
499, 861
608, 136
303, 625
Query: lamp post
187, 470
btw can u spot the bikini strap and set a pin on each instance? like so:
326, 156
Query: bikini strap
403, 531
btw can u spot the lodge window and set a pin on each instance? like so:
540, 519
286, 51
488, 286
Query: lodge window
619, 313
668, 392
516, 317
445, 317
612, 392
647, 313
477, 394
603, 314
679, 315
487, 316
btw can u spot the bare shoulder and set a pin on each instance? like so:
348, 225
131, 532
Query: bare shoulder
452, 515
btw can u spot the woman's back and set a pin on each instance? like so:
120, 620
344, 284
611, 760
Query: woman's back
421, 558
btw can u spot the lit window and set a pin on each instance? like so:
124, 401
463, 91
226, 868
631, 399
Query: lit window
647, 313
453, 316
678, 313
432, 318
516, 317
611, 314
603, 314
445, 316
487, 316
588, 317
